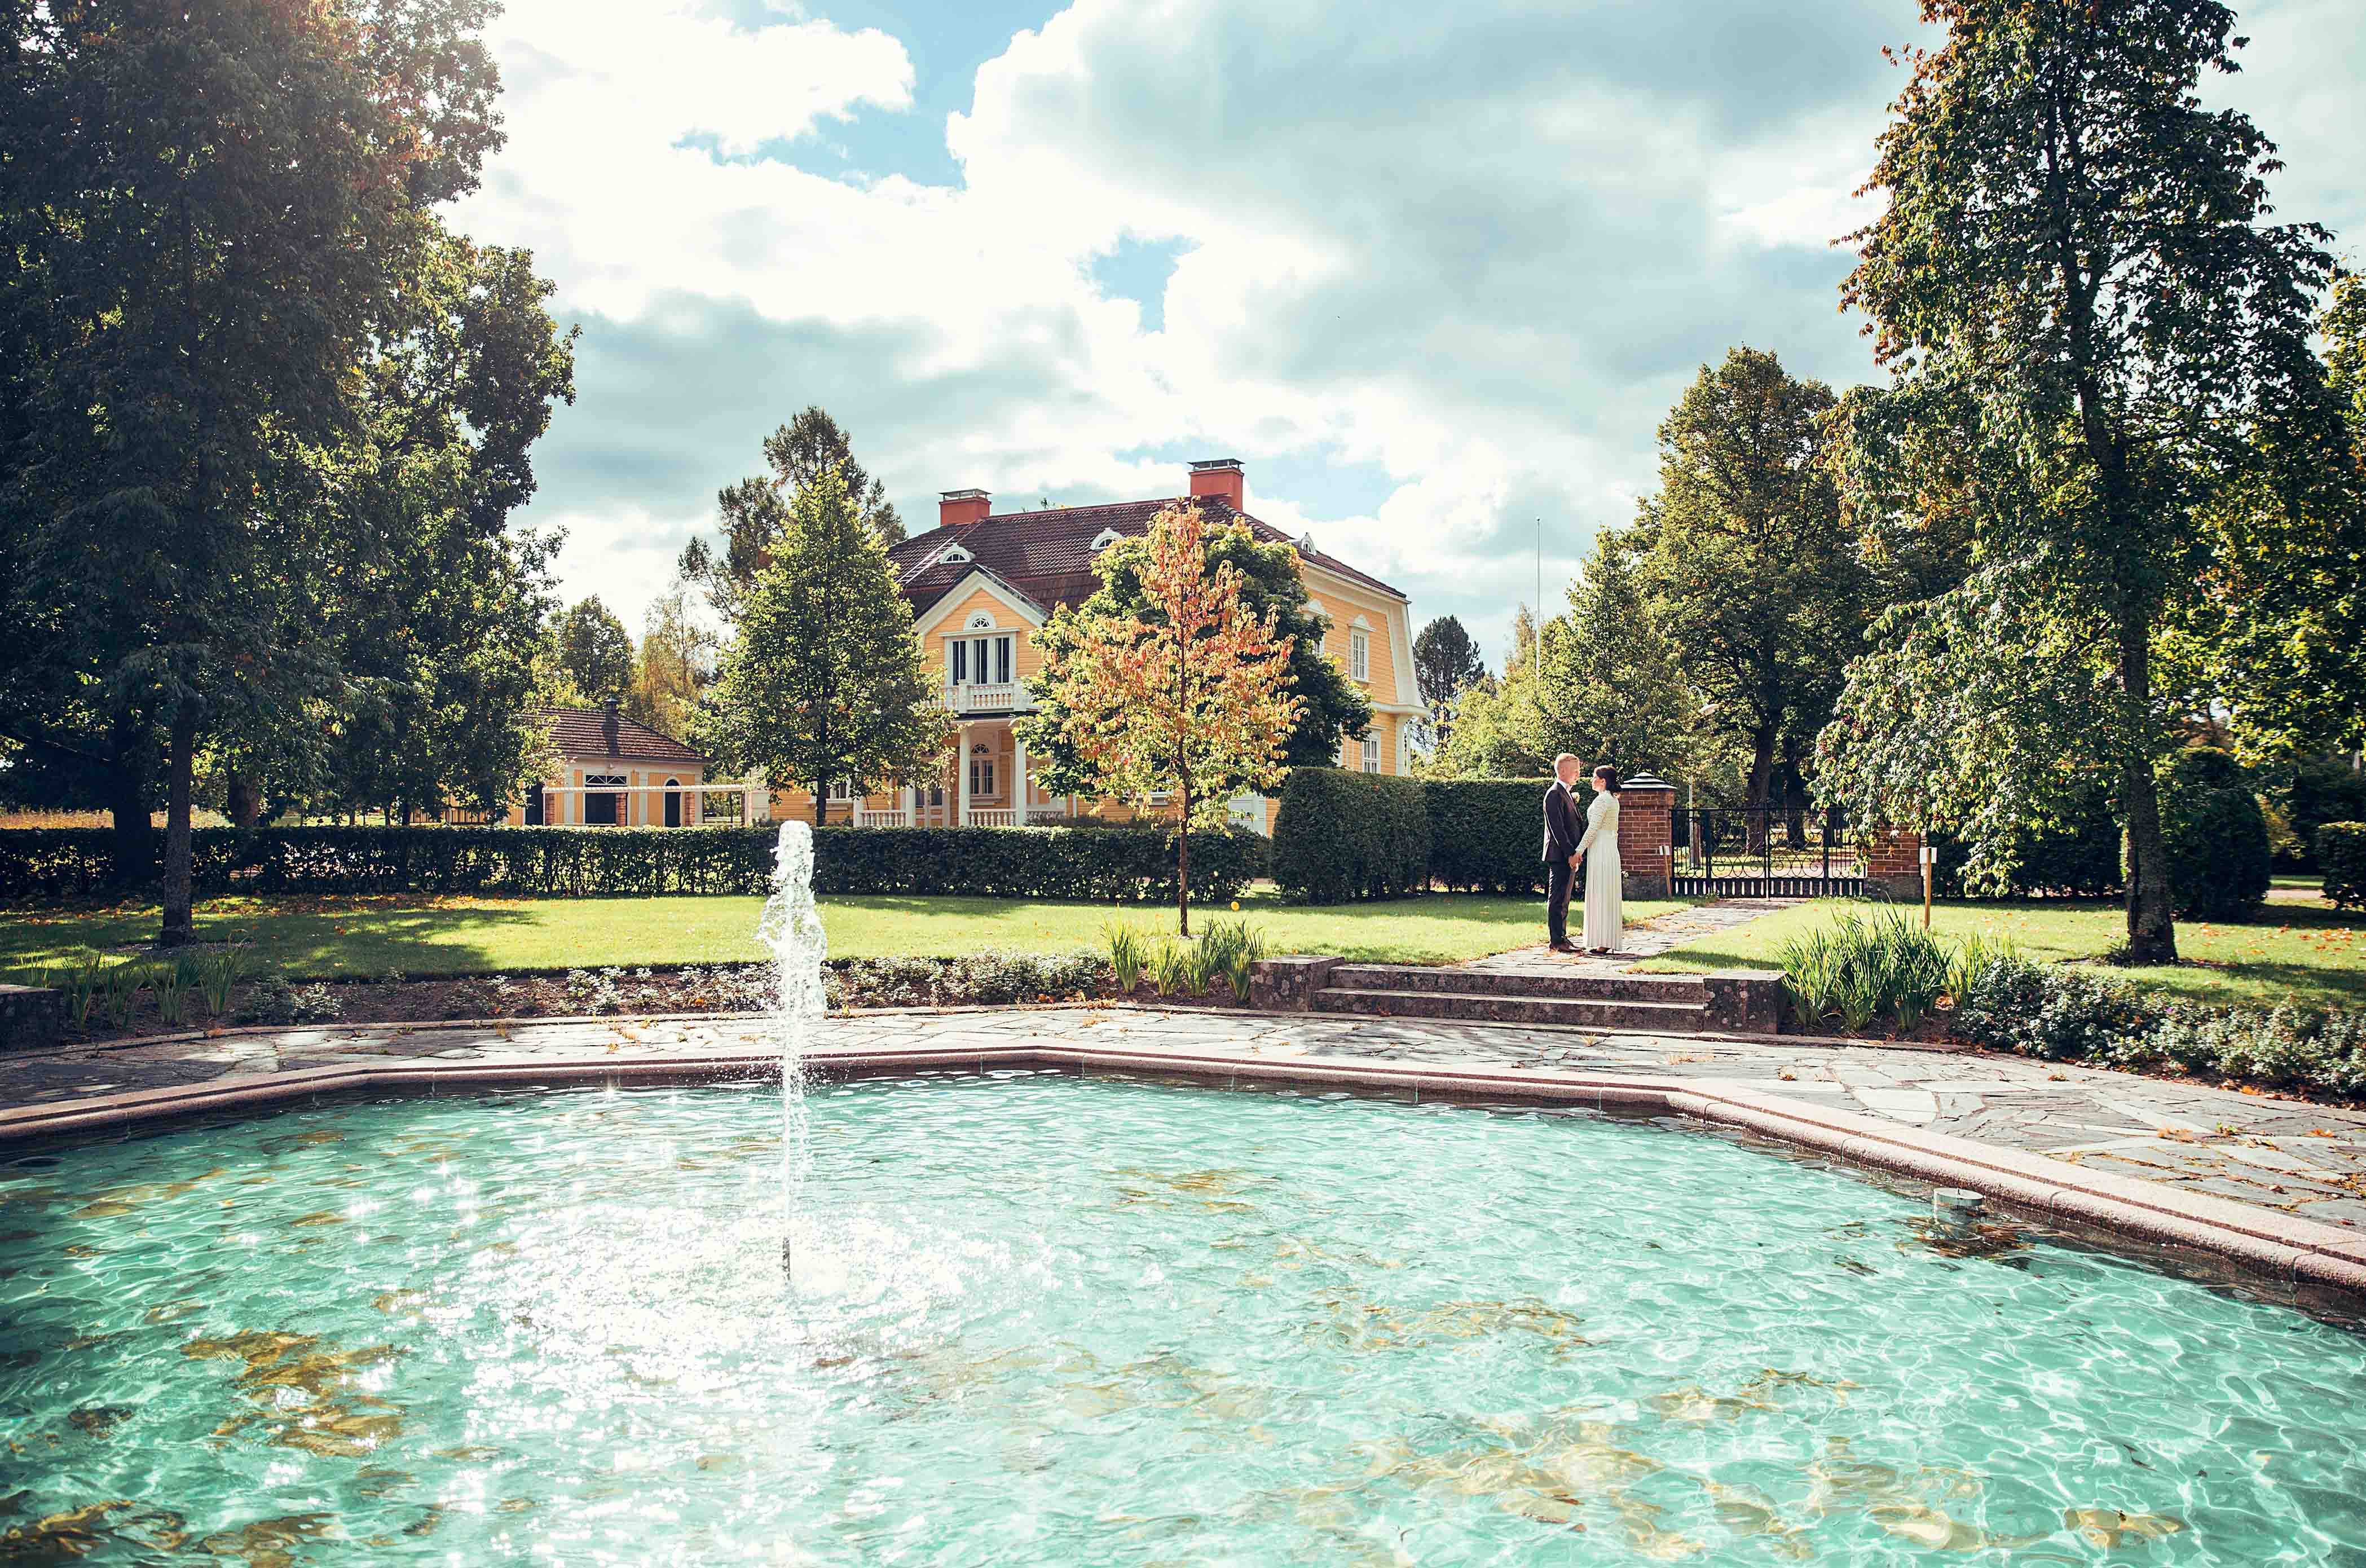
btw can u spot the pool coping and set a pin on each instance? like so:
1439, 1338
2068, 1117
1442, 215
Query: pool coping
2294, 1252
1064, 1004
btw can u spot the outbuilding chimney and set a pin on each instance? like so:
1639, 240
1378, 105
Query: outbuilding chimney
955, 507
608, 725
1221, 477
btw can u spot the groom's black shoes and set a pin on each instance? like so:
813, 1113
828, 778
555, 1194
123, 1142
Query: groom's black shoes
1563, 946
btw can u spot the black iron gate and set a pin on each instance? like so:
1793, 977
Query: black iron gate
1765, 851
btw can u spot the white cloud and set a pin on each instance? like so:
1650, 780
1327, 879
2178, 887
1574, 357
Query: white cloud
1481, 249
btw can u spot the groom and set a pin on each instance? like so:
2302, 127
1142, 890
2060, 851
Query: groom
1563, 828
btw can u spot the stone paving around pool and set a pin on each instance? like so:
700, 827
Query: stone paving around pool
2302, 1159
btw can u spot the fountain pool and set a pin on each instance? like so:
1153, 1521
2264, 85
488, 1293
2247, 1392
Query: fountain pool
1040, 1319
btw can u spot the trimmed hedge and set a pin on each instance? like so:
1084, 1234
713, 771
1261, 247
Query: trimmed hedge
2341, 854
1003, 863
2066, 1013
1486, 835
1342, 834
2219, 861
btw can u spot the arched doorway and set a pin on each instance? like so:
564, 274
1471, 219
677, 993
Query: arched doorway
673, 803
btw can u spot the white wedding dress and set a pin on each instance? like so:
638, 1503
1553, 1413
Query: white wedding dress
1604, 911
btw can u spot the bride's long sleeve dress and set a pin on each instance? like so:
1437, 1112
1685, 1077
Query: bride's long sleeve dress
1605, 910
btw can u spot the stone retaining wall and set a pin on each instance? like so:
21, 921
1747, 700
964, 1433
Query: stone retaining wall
30, 1017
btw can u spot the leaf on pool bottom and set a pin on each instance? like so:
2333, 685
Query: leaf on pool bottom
269, 1543
99, 1420
2109, 1526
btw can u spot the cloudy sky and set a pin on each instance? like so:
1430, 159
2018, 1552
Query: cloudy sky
1434, 273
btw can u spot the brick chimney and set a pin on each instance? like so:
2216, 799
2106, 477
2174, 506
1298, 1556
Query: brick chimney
955, 507
1221, 477
608, 725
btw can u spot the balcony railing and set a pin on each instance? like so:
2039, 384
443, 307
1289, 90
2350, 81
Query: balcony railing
993, 816
996, 696
892, 817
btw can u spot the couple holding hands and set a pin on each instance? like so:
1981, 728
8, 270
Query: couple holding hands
1594, 848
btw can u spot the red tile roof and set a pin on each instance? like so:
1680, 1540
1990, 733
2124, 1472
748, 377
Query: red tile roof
583, 732
1048, 555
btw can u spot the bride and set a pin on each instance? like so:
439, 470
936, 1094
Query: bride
1598, 852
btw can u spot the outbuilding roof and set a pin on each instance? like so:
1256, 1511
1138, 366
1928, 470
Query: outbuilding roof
605, 732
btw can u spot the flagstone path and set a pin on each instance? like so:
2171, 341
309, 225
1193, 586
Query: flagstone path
2279, 1153
1640, 941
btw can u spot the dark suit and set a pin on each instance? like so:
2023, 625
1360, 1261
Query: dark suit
1562, 832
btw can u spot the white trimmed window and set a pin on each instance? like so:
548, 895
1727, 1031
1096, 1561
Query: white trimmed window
982, 660
1359, 654
1372, 753
981, 776
841, 791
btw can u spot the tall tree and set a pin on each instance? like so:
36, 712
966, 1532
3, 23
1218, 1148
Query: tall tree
1446, 661
674, 665
594, 651
825, 681
2074, 248
439, 603
1610, 684
1740, 560
756, 511
1332, 707
207, 209
1193, 700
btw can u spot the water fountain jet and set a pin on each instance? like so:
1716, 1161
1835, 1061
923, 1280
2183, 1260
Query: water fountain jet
791, 928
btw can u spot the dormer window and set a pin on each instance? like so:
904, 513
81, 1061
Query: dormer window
1105, 539
1306, 543
956, 554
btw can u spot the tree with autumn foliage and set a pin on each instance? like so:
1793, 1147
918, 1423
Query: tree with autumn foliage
1192, 699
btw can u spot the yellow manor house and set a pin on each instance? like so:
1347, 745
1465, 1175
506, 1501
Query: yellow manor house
980, 584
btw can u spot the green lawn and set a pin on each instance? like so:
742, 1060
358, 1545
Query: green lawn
2290, 952
312, 938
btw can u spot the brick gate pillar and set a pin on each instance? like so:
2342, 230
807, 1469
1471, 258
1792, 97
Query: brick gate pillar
1893, 863
1647, 820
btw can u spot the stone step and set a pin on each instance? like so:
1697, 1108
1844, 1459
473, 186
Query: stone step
1481, 1007
1686, 989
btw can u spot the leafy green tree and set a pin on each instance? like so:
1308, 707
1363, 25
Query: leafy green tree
1446, 661
439, 602
1739, 562
756, 511
594, 651
1332, 708
207, 210
1495, 730
824, 681
2073, 249
1610, 684
2274, 638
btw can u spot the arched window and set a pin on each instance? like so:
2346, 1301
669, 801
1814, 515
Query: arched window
673, 803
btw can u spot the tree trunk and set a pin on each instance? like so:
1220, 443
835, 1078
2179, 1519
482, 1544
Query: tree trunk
1761, 776
1794, 796
2152, 928
242, 802
134, 844
180, 922
1183, 869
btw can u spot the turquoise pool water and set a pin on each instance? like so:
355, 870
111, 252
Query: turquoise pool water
1040, 1320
